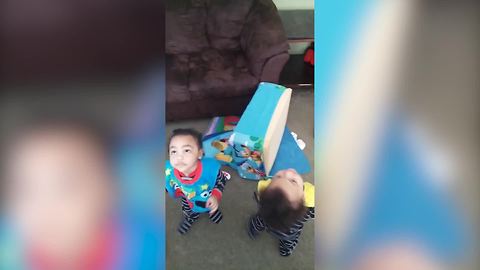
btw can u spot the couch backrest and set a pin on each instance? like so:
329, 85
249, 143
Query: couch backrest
193, 25
185, 30
225, 21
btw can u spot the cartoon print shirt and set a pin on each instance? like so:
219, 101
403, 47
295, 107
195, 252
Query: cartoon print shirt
207, 180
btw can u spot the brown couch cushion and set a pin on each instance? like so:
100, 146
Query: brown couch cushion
226, 19
185, 30
262, 37
176, 74
214, 37
215, 74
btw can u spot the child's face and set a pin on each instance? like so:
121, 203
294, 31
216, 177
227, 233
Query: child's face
184, 153
59, 190
291, 183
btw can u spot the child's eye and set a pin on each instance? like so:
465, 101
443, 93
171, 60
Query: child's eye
188, 150
173, 152
292, 180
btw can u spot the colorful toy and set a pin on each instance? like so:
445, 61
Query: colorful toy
259, 132
252, 146
290, 155
222, 123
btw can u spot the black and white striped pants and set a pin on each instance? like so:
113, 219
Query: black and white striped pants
191, 216
287, 242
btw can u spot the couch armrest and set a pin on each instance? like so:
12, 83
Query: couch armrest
263, 35
273, 68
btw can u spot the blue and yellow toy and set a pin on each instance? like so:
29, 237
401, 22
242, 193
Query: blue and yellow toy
254, 144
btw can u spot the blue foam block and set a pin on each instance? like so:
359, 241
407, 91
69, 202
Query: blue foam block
290, 156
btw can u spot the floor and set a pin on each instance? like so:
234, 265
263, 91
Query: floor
227, 245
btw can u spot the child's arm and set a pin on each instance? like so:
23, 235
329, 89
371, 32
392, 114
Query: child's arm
219, 185
174, 192
214, 201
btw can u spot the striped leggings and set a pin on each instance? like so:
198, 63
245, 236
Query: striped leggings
190, 216
286, 247
287, 242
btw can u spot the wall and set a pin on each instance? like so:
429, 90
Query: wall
297, 19
294, 4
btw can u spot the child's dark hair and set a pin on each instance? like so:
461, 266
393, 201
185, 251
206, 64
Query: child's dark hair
277, 211
197, 136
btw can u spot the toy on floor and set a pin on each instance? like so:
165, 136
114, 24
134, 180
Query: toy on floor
223, 123
251, 147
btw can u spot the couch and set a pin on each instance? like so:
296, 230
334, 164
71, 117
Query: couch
217, 51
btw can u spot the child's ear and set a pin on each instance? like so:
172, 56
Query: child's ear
200, 154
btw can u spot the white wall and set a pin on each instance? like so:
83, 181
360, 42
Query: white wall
294, 4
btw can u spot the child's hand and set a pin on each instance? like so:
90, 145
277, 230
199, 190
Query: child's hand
212, 204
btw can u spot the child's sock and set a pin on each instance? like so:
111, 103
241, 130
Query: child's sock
227, 175
285, 252
216, 217
185, 225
